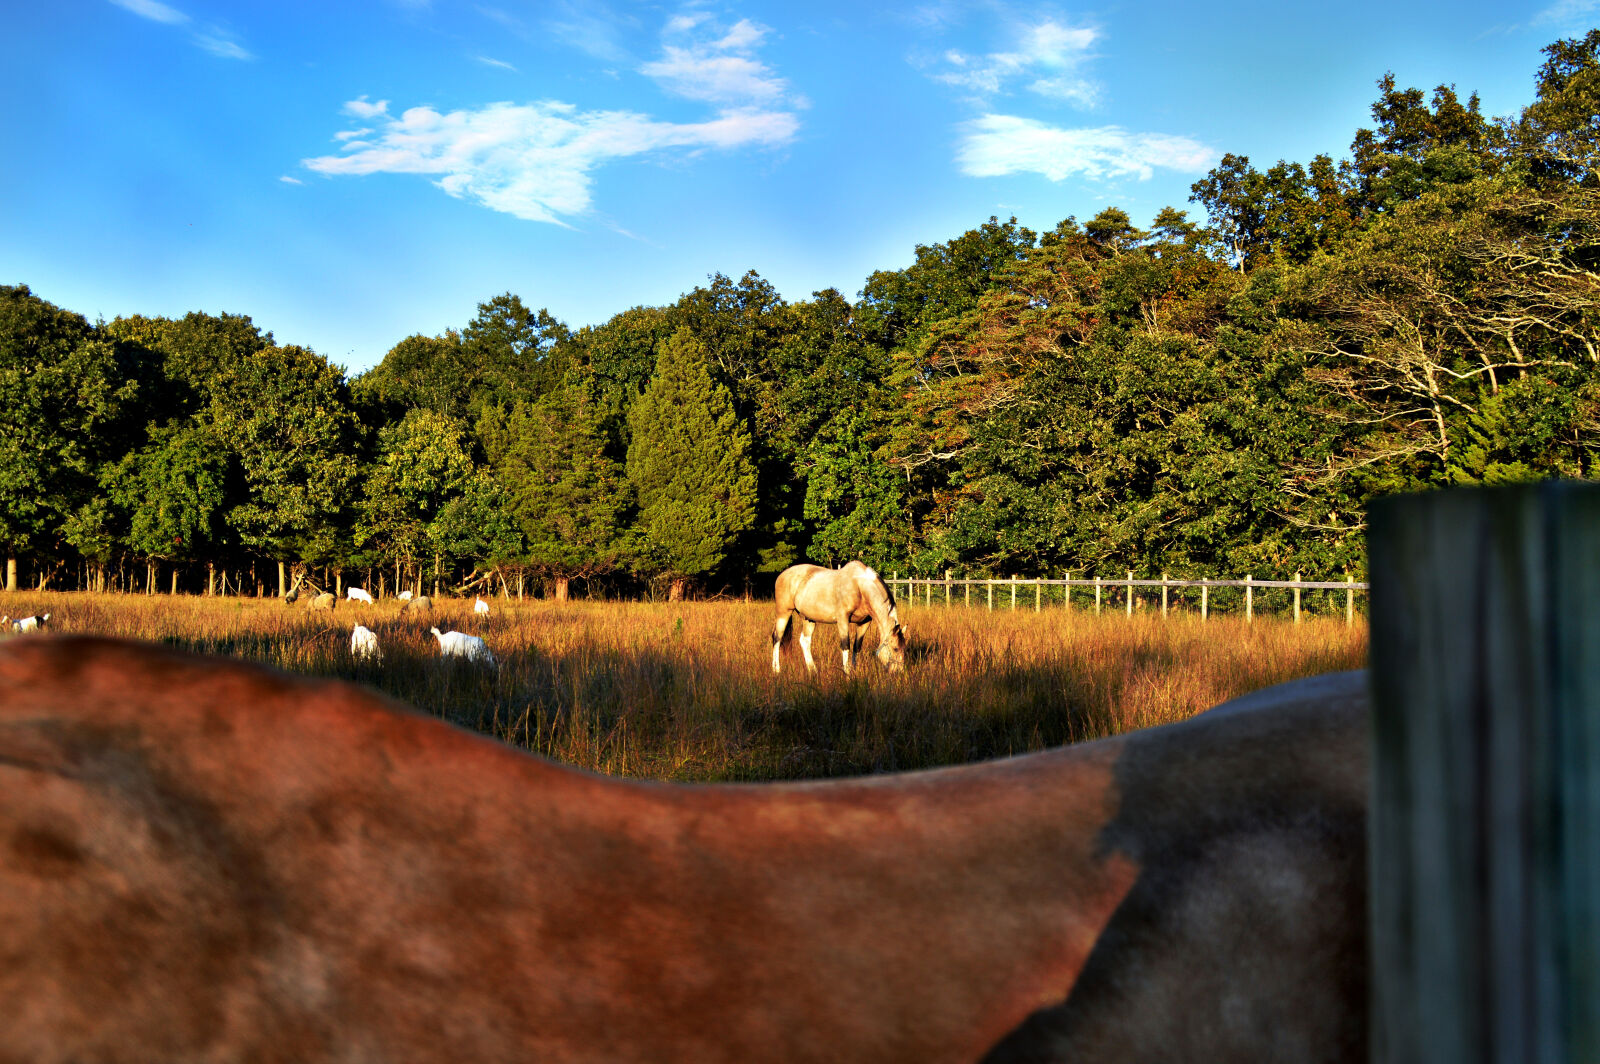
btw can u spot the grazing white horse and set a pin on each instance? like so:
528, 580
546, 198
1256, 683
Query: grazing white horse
202, 859
480, 607
364, 644
852, 595
462, 645
357, 594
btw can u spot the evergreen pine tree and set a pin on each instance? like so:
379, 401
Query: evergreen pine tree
690, 464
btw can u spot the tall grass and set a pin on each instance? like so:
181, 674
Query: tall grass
686, 691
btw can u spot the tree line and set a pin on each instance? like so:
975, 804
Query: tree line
1199, 397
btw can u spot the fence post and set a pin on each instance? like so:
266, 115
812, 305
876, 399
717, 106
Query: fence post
1096, 594
1249, 599
1205, 593
1130, 592
927, 592
947, 573
1349, 602
1163, 596
966, 582
1066, 591
1014, 592
1484, 839
1036, 587
989, 586
1297, 597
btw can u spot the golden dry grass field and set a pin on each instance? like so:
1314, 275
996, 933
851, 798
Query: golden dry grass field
685, 691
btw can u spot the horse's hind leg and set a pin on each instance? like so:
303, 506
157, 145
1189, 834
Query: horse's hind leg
846, 638
779, 630
807, 626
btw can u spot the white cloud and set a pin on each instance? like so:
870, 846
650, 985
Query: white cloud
720, 70
1045, 56
501, 63
352, 134
996, 145
217, 41
1565, 13
156, 12
360, 108
286, 179
534, 161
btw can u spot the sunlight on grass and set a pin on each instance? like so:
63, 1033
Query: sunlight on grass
686, 691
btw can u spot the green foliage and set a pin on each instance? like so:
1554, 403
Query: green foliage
689, 464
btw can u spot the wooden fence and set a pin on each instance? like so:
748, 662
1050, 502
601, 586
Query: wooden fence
950, 590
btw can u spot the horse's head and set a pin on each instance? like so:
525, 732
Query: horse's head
892, 651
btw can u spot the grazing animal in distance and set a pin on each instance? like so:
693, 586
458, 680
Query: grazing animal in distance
343, 878
462, 645
27, 624
420, 604
404, 596
851, 595
325, 601
480, 607
364, 644
358, 594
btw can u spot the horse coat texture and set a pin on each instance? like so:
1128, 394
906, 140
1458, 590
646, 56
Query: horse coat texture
206, 860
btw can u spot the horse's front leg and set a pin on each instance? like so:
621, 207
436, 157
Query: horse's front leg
778, 631
846, 638
807, 626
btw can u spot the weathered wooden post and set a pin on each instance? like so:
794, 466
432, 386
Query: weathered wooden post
1066, 591
1297, 597
989, 585
1014, 592
1485, 819
1163, 596
1036, 586
966, 582
1249, 598
1349, 601
1097, 594
947, 575
1205, 594
1130, 592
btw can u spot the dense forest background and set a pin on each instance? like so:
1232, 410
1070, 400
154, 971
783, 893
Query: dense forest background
1200, 397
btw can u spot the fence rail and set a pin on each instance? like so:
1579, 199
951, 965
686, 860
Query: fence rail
921, 590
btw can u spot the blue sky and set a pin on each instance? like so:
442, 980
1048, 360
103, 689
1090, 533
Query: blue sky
351, 173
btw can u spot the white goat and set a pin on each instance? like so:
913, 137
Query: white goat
364, 644
404, 596
357, 594
27, 624
480, 607
462, 645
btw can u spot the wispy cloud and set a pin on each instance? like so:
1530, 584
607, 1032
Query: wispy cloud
213, 39
286, 179
501, 63
534, 161
361, 108
1044, 57
1565, 13
996, 145
591, 28
716, 67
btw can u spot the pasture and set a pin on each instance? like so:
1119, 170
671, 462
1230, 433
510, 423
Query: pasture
685, 691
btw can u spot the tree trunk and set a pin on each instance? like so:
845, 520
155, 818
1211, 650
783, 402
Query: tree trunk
675, 593
11, 574
338, 583
149, 578
561, 588
174, 579
519, 585
283, 588
211, 579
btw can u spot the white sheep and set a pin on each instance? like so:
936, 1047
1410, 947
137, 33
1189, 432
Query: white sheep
364, 644
27, 624
462, 645
357, 594
480, 607
404, 596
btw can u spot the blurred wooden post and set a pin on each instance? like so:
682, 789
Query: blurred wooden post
989, 585
1163, 595
1013, 592
1036, 587
1249, 599
1097, 594
1297, 597
947, 574
1485, 818
1066, 591
1130, 592
1205, 594
1349, 602
967, 583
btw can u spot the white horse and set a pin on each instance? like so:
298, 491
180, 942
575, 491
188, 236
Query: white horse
843, 597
